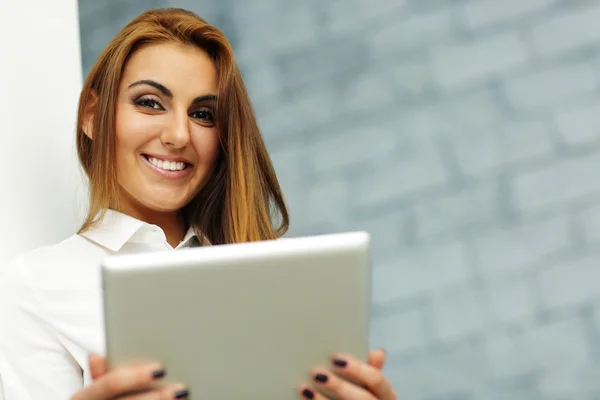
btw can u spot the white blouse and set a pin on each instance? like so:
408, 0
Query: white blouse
51, 311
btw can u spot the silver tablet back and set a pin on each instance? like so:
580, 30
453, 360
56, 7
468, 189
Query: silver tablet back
243, 321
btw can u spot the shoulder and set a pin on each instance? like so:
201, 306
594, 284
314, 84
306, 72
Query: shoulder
58, 286
74, 260
49, 313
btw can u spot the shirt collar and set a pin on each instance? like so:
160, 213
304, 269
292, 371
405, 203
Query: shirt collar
117, 228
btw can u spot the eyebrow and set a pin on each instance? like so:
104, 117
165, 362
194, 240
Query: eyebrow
164, 90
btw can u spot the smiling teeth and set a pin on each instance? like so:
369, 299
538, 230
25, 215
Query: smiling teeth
167, 165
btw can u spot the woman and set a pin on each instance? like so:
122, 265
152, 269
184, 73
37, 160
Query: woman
168, 139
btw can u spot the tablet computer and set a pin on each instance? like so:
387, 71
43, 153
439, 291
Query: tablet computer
240, 321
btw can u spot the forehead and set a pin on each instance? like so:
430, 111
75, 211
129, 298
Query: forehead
178, 67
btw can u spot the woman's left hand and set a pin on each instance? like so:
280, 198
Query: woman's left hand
337, 379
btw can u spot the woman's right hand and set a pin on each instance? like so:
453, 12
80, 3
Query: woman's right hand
127, 383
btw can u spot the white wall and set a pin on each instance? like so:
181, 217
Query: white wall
41, 186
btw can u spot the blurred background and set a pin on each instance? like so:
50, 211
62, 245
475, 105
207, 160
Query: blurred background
465, 136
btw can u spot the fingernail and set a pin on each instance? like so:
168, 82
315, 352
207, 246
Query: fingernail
308, 394
321, 378
339, 363
158, 374
182, 394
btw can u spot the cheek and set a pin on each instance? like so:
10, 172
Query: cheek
207, 146
133, 130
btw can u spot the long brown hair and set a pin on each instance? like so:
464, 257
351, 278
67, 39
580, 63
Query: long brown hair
242, 201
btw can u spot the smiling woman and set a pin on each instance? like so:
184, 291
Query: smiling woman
186, 148
167, 143
174, 157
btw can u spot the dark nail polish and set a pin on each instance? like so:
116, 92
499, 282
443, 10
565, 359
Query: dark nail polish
339, 363
158, 374
182, 394
321, 378
308, 394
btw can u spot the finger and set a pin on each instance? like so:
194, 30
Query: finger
365, 374
98, 365
307, 392
166, 393
332, 384
377, 358
121, 381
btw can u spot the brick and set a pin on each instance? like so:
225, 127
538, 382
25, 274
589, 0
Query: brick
484, 13
581, 382
418, 31
447, 119
469, 206
514, 249
124, 11
463, 63
539, 188
511, 392
410, 78
401, 332
320, 60
344, 16
596, 320
475, 110
455, 370
307, 109
295, 25
489, 151
261, 80
447, 122
510, 300
536, 349
579, 126
568, 30
560, 383
478, 152
416, 167
465, 394
589, 380
408, 379
524, 140
365, 92
460, 311
92, 15
327, 202
353, 145
571, 283
390, 231
421, 271
552, 87
209, 11
98, 38
287, 162
590, 219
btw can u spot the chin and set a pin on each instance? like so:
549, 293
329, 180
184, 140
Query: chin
167, 207
167, 200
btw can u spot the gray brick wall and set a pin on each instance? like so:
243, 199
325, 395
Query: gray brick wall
465, 136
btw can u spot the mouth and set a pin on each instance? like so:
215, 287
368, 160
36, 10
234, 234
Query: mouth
166, 165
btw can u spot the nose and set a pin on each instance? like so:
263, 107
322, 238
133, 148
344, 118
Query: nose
177, 134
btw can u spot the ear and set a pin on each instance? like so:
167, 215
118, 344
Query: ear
89, 115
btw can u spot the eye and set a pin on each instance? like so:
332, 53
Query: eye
149, 103
204, 114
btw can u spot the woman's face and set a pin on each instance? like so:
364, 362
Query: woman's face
167, 145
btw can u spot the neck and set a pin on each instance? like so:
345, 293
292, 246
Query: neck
170, 222
173, 227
